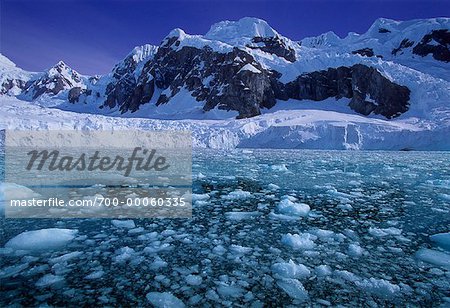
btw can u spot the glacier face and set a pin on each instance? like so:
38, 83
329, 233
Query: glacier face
308, 128
324, 92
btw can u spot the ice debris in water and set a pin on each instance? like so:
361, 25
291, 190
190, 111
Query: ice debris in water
13, 191
354, 250
288, 207
242, 215
379, 287
323, 270
442, 240
194, 280
280, 167
384, 232
41, 240
237, 194
290, 270
293, 288
48, 280
434, 257
127, 224
164, 300
303, 241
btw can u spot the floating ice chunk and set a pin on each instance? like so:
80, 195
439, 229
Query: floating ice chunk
346, 275
273, 215
230, 290
354, 250
13, 191
273, 186
164, 300
303, 241
379, 287
323, 270
290, 270
127, 224
293, 288
325, 235
237, 194
219, 250
95, 275
194, 280
280, 167
288, 207
345, 206
242, 215
201, 176
48, 280
136, 230
156, 247
442, 240
43, 239
66, 257
240, 249
148, 236
384, 232
13, 270
123, 254
200, 197
158, 263
434, 257
168, 232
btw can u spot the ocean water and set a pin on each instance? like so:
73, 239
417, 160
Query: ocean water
269, 227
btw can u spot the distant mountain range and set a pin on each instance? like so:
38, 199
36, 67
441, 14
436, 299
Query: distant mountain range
246, 66
243, 69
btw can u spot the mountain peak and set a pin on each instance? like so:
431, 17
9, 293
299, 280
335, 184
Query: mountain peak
61, 65
177, 32
247, 27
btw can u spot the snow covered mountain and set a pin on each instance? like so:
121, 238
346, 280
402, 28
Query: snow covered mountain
246, 69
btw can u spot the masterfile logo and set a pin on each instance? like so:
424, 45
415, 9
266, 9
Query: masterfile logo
98, 174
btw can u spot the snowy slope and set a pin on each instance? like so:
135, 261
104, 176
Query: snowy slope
12, 78
385, 38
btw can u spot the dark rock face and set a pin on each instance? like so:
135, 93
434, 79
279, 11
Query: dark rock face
11, 83
236, 81
209, 76
75, 94
403, 45
366, 52
383, 30
276, 46
368, 89
372, 92
436, 43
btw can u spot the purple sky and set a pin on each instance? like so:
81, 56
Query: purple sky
91, 36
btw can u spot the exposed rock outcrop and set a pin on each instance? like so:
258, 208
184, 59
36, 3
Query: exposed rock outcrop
436, 43
58, 78
368, 89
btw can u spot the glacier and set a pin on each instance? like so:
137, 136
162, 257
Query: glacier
288, 129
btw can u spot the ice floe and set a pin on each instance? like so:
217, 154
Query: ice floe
42, 240
164, 300
302, 241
